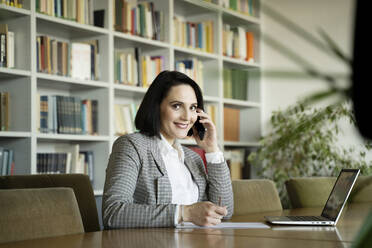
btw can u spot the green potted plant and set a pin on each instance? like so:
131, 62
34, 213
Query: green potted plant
303, 142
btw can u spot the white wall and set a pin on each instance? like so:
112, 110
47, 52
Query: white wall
336, 18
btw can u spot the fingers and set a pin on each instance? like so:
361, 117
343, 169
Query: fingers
205, 213
202, 114
214, 214
205, 119
221, 210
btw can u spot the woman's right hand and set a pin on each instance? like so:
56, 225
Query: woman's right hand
203, 213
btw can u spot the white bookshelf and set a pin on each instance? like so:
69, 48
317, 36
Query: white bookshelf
24, 82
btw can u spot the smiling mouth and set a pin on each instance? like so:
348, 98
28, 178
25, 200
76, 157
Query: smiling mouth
181, 125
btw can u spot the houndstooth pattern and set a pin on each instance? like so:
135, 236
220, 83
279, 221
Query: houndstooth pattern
137, 191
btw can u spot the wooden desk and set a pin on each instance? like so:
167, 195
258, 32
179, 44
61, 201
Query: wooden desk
278, 236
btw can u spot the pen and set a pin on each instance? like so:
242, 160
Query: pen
219, 201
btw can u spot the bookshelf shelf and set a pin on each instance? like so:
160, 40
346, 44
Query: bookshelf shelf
7, 12
192, 7
71, 26
10, 134
194, 52
130, 88
241, 63
25, 84
205, 5
67, 82
138, 39
11, 73
71, 137
241, 144
236, 17
240, 104
211, 99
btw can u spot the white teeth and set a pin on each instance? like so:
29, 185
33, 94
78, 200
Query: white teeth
181, 125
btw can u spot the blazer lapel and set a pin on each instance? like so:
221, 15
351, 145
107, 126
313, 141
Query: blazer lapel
157, 156
163, 187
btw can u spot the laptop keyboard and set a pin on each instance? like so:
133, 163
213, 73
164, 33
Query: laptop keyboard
305, 218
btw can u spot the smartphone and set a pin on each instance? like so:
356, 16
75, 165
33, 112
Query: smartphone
200, 128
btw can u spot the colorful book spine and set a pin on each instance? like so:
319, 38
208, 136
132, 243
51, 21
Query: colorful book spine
139, 19
68, 115
195, 35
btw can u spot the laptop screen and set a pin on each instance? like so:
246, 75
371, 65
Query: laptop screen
340, 193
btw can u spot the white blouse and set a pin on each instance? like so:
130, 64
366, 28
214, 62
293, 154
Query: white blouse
184, 189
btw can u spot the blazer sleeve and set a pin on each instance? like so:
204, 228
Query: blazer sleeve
118, 208
219, 185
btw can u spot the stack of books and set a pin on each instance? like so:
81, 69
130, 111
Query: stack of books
68, 115
81, 11
78, 60
124, 118
139, 19
235, 84
6, 161
192, 68
69, 160
196, 35
247, 7
238, 43
13, 3
236, 159
133, 68
6, 47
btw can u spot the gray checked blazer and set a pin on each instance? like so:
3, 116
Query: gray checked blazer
138, 192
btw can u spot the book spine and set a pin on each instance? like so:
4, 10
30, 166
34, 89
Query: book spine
44, 114
3, 57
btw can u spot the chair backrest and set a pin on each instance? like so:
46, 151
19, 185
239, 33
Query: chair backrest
306, 192
38, 213
78, 182
254, 196
309, 192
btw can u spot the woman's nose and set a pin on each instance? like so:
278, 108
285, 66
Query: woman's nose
187, 115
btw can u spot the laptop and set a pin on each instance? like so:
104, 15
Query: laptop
333, 207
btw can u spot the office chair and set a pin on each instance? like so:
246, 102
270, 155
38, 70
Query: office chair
78, 182
254, 196
307, 192
38, 213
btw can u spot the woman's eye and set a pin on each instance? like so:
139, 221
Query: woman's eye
176, 106
193, 108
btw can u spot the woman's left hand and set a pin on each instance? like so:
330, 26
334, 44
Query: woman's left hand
209, 142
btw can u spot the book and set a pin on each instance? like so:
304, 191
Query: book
235, 160
87, 163
250, 47
81, 61
5, 111
1, 159
196, 35
4, 171
231, 124
235, 84
44, 114
10, 49
94, 117
3, 45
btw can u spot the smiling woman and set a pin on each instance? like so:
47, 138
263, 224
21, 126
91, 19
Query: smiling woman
153, 181
178, 112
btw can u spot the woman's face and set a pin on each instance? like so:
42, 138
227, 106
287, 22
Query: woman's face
178, 112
